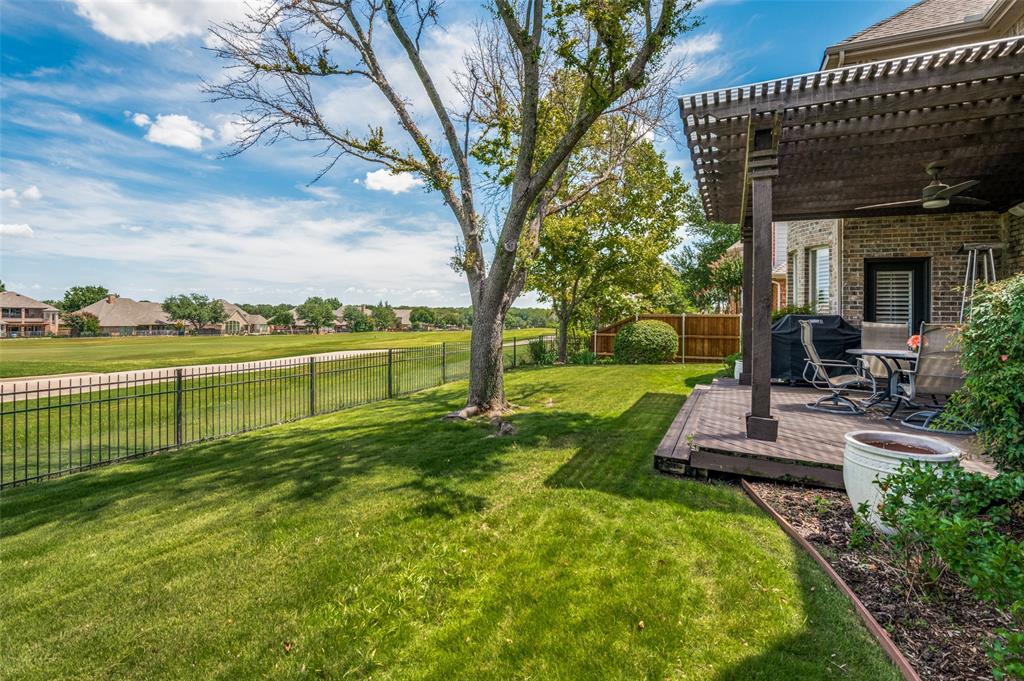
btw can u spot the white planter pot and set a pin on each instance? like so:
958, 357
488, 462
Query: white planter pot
738, 369
872, 455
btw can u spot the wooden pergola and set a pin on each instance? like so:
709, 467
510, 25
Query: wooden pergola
820, 145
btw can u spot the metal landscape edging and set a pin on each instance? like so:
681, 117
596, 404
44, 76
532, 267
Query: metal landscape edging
881, 635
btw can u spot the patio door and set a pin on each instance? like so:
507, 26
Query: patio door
896, 292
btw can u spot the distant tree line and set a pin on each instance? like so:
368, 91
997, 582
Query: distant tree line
197, 310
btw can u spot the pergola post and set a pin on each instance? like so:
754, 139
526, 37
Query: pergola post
745, 298
763, 167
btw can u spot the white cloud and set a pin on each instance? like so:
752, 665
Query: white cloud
16, 231
152, 21
703, 53
176, 130
132, 228
229, 130
9, 195
384, 180
697, 45
243, 248
32, 193
141, 120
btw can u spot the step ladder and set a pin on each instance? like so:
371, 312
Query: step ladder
981, 267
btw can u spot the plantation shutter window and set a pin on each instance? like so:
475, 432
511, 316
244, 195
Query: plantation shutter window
791, 279
894, 296
819, 274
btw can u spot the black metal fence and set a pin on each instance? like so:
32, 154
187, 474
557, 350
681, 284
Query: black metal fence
52, 427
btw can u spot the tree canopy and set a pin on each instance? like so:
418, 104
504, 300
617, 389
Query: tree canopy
709, 277
77, 297
317, 312
607, 249
614, 52
195, 309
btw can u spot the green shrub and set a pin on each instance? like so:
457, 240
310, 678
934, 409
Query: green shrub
730, 362
949, 518
993, 358
583, 357
648, 341
541, 352
791, 309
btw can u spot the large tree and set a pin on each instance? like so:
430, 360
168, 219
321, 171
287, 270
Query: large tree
196, 309
77, 297
608, 248
383, 316
610, 48
709, 276
317, 312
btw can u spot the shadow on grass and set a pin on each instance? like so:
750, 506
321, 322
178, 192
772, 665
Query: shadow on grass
303, 461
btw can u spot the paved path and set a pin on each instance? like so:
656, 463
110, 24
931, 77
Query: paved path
33, 387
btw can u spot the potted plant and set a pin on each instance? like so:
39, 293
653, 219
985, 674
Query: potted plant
871, 456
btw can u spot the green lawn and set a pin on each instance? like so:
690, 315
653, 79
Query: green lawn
382, 542
44, 356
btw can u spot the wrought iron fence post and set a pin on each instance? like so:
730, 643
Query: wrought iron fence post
444, 362
390, 386
177, 406
312, 386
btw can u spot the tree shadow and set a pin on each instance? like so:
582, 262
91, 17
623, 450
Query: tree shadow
304, 461
854, 652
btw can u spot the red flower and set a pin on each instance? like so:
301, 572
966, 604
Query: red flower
1004, 357
914, 342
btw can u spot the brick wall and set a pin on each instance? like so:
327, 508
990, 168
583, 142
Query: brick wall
803, 235
937, 237
1014, 244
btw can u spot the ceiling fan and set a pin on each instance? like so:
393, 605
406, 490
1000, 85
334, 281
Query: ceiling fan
937, 194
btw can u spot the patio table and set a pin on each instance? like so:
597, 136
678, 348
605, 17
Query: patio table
890, 359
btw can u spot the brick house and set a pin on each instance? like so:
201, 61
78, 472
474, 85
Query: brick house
21, 316
906, 145
914, 263
126, 317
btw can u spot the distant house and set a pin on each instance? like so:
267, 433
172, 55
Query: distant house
780, 277
23, 316
126, 317
404, 318
239, 322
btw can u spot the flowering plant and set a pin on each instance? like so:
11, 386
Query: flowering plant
914, 342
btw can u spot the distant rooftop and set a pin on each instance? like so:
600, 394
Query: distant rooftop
923, 15
12, 299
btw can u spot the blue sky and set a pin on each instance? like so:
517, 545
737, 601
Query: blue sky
110, 167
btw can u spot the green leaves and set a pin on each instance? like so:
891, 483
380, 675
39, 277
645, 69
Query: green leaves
993, 359
949, 518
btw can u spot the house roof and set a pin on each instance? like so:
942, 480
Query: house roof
241, 316
863, 134
928, 25
117, 311
923, 15
404, 316
12, 299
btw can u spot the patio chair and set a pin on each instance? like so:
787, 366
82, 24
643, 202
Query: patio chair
835, 376
936, 374
882, 335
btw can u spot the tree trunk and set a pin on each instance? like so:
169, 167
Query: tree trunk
563, 341
486, 362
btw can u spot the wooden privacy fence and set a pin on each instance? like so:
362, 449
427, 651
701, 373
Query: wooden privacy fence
702, 337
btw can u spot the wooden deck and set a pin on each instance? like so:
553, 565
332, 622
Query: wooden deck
708, 436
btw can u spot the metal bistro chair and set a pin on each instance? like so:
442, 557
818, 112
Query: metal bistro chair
937, 373
882, 335
836, 376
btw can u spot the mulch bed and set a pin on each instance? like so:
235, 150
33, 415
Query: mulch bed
943, 632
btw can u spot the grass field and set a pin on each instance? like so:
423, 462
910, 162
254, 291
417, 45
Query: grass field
382, 542
44, 356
